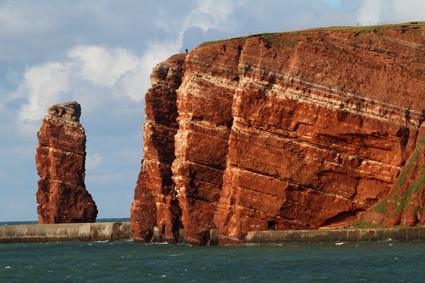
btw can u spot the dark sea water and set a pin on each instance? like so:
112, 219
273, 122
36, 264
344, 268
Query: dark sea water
125, 261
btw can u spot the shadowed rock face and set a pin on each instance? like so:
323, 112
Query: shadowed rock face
155, 202
293, 131
60, 158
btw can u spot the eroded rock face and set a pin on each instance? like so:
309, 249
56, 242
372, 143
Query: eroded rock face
60, 158
291, 131
155, 202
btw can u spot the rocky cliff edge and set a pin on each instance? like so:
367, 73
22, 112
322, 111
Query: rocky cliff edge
296, 130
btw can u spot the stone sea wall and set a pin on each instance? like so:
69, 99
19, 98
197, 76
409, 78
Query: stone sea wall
105, 231
334, 236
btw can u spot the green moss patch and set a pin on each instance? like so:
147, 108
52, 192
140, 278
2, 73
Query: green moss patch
271, 37
401, 200
176, 55
211, 42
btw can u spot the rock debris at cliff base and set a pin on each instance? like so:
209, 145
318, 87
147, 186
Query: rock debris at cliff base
300, 130
60, 159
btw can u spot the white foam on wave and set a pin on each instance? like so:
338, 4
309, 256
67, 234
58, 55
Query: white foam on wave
8, 267
340, 243
177, 254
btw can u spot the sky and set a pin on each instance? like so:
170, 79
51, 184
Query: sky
100, 53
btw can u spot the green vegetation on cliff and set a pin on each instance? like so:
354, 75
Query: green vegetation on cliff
400, 200
273, 37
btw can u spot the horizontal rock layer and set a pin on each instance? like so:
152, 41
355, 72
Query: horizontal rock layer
60, 159
300, 130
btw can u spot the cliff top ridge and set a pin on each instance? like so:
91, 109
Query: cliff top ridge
351, 29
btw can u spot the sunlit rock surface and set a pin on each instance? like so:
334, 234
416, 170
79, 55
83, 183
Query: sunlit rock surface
300, 130
60, 158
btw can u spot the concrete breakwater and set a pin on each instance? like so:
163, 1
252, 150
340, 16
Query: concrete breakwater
112, 231
334, 236
274, 237
118, 231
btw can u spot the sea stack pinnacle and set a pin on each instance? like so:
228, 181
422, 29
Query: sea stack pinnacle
60, 158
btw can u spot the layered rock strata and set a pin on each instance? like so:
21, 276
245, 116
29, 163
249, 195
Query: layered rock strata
60, 159
155, 203
301, 130
405, 204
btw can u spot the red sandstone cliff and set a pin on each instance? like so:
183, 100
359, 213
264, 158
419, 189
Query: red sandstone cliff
155, 202
60, 158
296, 130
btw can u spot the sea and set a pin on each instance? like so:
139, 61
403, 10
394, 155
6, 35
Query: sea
126, 261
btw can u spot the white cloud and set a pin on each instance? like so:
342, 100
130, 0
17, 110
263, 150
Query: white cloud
219, 10
42, 84
407, 10
89, 74
211, 14
392, 11
93, 160
18, 20
370, 12
101, 66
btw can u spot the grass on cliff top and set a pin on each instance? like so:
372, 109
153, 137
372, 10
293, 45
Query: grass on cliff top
177, 55
360, 224
214, 41
352, 29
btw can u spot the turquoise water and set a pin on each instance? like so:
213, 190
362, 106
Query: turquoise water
125, 261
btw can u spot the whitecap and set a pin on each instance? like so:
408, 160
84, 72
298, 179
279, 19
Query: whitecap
391, 245
7, 267
177, 254
164, 276
339, 243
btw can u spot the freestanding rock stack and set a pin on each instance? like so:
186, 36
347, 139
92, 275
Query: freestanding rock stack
60, 158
